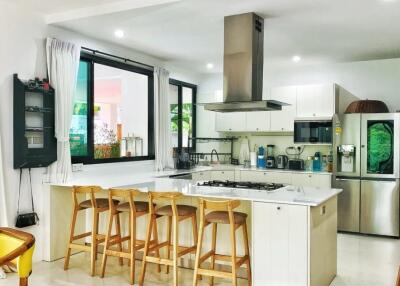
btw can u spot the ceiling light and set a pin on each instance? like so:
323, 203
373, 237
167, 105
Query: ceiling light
119, 33
296, 59
210, 66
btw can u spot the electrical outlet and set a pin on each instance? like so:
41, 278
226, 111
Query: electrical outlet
77, 167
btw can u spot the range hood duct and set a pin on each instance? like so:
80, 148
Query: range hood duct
243, 66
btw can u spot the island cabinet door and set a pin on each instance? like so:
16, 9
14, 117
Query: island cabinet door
280, 244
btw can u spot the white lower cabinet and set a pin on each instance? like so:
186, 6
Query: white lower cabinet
294, 245
256, 176
311, 180
280, 244
282, 178
223, 175
202, 176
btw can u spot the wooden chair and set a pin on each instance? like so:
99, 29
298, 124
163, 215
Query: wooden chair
135, 209
398, 278
17, 247
97, 205
221, 213
175, 214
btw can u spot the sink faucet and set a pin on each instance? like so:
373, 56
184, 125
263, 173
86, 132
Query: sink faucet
212, 154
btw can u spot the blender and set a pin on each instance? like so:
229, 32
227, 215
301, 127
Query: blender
270, 156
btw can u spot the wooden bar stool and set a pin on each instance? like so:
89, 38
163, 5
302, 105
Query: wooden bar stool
175, 214
135, 209
221, 213
97, 206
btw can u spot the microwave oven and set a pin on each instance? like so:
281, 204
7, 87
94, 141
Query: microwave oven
313, 131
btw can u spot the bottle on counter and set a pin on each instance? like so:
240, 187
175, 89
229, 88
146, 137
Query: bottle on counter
261, 158
317, 162
324, 163
309, 163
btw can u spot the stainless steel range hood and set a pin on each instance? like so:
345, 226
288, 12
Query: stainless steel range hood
243, 66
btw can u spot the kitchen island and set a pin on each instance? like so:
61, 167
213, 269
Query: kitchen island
292, 235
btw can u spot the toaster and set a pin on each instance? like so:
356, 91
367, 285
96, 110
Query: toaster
296, 164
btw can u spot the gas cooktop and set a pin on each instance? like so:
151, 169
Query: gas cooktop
241, 185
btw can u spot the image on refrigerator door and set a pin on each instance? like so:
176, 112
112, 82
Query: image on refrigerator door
380, 145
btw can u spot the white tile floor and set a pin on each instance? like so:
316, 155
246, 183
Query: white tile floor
362, 261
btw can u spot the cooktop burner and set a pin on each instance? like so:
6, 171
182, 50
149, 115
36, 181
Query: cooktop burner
241, 185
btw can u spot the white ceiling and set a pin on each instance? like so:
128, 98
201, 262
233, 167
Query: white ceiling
190, 32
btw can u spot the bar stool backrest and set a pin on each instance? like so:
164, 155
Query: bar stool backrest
170, 197
89, 190
127, 194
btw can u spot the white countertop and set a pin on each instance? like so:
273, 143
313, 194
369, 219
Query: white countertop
294, 195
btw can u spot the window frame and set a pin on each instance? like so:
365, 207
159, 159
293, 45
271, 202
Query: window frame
93, 59
181, 85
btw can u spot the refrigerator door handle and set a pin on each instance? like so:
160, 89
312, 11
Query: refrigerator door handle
342, 178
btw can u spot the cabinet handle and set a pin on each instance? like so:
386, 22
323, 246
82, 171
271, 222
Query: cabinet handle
282, 129
362, 146
313, 114
222, 172
309, 176
257, 129
278, 208
230, 128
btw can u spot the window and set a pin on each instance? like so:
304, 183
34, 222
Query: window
183, 113
113, 112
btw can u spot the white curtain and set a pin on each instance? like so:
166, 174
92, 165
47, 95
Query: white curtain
3, 204
62, 66
163, 146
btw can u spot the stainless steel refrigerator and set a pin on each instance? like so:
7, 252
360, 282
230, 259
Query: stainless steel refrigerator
366, 167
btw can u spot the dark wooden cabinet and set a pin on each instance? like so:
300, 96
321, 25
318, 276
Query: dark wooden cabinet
34, 142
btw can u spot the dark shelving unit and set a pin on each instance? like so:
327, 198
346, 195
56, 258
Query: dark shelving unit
34, 142
195, 156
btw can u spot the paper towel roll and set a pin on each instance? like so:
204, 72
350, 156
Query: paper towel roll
253, 159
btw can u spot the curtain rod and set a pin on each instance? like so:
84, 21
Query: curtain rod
117, 57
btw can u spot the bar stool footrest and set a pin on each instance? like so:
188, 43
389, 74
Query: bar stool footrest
215, 273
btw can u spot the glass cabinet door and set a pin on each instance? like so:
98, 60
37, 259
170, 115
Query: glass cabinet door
380, 146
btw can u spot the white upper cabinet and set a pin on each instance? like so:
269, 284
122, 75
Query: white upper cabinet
316, 100
306, 101
257, 121
230, 121
283, 120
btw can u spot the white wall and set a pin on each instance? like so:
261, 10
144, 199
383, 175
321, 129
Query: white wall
378, 79
367, 79
22, 51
